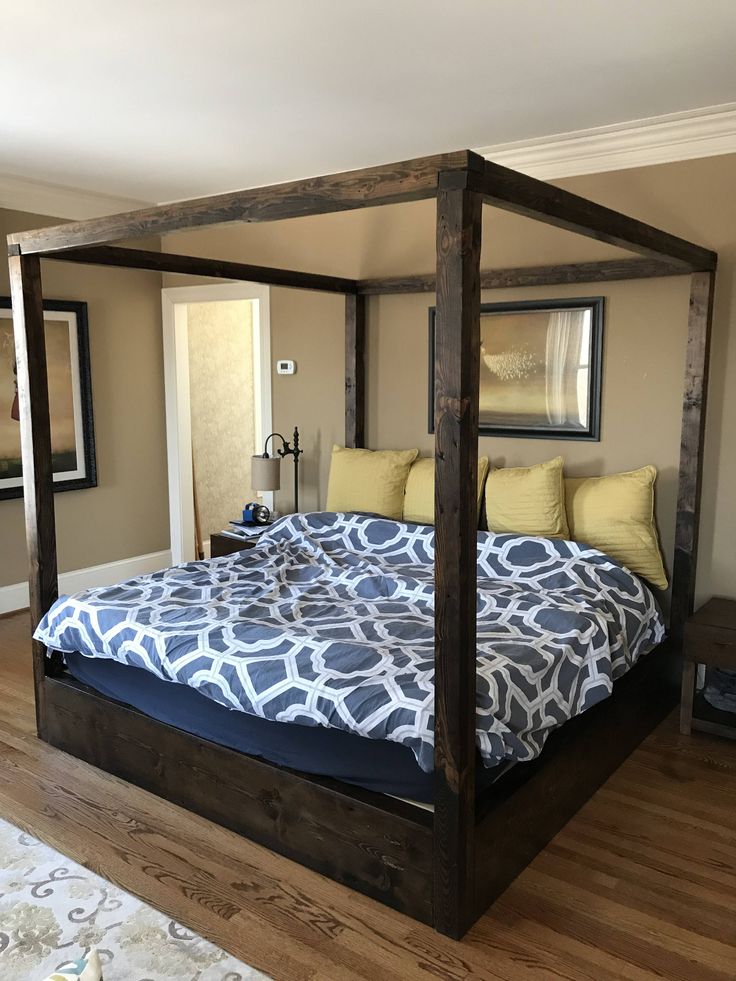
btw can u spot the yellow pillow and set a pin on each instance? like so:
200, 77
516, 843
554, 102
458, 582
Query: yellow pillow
528, 500
369, 480
616, 515
419, 495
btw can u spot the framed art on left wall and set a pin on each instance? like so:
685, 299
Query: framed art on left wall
70, 399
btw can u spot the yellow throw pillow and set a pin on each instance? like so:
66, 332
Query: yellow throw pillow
419, 495
369, 480
528, 500
615, 514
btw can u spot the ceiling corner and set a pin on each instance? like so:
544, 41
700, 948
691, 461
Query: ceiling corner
58, 201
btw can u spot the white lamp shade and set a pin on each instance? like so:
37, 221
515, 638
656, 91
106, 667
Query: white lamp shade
265, 473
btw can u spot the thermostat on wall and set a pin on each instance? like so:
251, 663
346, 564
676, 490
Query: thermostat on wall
285, 367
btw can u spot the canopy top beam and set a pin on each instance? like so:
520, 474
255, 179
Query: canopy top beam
409, 180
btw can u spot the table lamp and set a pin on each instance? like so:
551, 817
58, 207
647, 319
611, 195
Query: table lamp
266, 470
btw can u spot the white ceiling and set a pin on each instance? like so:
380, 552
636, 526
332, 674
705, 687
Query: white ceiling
163, 99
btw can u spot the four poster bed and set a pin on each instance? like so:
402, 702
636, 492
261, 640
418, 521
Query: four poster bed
442, 867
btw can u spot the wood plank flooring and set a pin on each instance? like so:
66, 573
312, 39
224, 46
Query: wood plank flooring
640, 884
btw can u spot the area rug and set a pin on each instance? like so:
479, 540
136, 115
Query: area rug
53, 911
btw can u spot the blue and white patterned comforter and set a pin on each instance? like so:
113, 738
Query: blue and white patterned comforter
330, 621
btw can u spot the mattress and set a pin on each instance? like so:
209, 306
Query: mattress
329, 623
376, 764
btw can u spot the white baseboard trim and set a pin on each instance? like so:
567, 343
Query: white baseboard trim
15, 597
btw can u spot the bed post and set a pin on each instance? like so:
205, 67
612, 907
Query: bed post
354, 370
456, 366
692, 441
35, 429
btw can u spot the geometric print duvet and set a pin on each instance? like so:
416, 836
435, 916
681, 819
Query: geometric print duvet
330, 621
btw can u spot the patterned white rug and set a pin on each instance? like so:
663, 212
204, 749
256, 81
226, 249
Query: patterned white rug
53, 911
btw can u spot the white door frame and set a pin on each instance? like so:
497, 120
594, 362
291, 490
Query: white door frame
176, 381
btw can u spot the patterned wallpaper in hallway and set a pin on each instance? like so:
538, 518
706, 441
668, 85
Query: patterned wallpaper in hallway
221, 391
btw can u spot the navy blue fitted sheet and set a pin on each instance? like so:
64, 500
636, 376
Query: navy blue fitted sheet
377, 764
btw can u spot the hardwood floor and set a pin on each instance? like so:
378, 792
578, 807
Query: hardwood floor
640, 884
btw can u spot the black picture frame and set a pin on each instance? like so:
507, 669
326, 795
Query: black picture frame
591, 432
88, 451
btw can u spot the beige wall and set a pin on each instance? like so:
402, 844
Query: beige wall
644, 335
220, 336
127, 514
309, 329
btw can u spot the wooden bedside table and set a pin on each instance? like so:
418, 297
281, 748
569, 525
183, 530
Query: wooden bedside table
710, 638
226, 545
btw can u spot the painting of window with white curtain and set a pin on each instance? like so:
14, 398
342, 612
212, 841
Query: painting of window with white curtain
540, 368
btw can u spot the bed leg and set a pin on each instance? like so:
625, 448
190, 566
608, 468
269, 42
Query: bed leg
457, 354
35, 430
692, 444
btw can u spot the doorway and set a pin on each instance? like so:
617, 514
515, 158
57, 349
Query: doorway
217, 370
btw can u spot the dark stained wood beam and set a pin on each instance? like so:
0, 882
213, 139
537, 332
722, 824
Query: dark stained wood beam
512, 191
409, 180
457, 374
354, 836
692, 444
521, 276
355, 377
35, 431
387, 184
188, 265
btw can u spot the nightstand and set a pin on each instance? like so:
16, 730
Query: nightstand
710, 639
226, 545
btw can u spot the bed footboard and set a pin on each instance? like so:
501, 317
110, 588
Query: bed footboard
377, 845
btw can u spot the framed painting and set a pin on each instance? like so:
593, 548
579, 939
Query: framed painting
540, 368
70, 399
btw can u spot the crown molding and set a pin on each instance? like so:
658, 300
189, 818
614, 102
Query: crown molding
59, 201
706, 132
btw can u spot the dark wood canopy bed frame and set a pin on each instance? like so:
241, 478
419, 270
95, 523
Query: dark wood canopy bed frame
442, 868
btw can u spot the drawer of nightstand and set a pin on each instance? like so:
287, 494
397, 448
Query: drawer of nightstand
710, 645
221, 545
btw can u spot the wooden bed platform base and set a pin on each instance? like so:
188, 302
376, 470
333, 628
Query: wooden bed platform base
446, 867
371, 842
